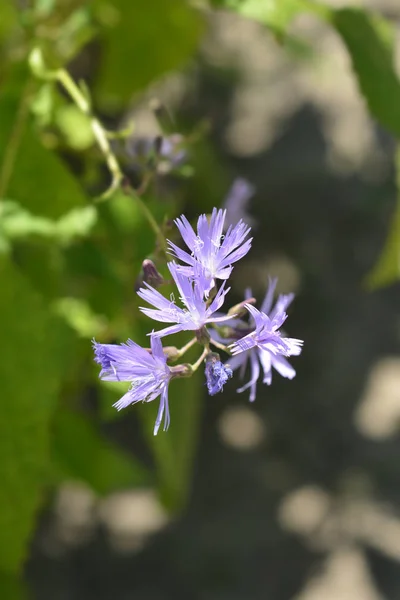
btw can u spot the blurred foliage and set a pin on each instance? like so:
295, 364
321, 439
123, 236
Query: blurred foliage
81, 454
69, 261
31, 377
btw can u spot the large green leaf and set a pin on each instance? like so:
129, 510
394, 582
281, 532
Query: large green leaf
33, 346
370, 42
82, 453
144, 40
11, 587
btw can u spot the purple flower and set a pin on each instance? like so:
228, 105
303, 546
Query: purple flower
213, 251
264, 343
217, 374
196, 313
237, 200
148, 373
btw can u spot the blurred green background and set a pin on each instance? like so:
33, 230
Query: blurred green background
296, 497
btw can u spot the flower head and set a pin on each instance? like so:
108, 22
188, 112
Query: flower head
217, 374
148, 373
213, 251
264, 344
196, 313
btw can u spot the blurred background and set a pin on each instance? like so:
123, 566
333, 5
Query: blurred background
294, 497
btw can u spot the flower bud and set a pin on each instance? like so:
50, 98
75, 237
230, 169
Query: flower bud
239, 310
149, 275
183, 370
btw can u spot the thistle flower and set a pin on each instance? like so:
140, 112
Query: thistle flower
148, 373
196, 313
265, 344
213, 251
216, 374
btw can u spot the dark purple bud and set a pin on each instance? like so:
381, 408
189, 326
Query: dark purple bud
149, 275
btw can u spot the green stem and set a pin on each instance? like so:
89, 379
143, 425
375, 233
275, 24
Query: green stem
186, 347
219, 345
199, 361
101, 135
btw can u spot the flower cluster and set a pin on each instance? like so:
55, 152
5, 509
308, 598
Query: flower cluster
210, 256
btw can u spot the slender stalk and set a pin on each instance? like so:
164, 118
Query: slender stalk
186, 347
200, 360
219, 345
100, 134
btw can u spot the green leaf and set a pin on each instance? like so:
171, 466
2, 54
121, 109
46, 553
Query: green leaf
155, 37
76, 223
34, 347
387, 268
83, 454
39, 180
79, 316
9, 18
16, 222
277, 14
370, 42
75, 127
11, 587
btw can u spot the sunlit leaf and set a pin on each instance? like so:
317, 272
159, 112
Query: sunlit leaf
155, 37
370, 42
79, 316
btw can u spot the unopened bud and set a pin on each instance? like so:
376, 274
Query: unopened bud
184, 370
149, 275
239, 310
171, 352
